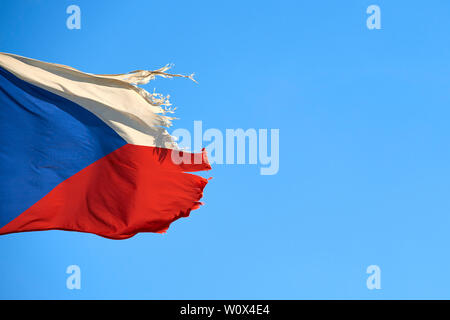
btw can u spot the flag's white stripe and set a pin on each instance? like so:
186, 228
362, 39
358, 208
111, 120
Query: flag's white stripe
127, 109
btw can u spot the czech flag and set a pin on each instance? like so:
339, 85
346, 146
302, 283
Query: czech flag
89, 153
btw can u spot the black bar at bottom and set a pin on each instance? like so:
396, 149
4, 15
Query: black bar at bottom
225, 309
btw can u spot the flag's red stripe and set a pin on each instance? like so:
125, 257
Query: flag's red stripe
133, 189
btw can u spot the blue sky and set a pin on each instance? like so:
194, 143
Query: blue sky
364, 158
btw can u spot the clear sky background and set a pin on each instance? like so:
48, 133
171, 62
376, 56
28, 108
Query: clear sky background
364, 149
